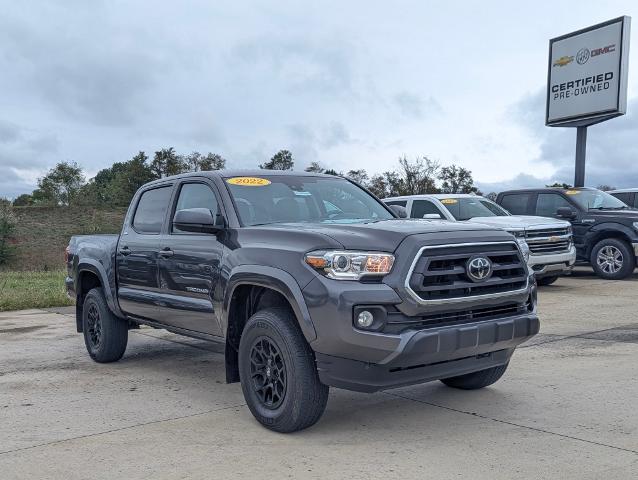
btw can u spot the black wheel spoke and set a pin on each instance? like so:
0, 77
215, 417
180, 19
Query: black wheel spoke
268, 372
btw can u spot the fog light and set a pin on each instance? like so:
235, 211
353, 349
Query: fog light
365, 319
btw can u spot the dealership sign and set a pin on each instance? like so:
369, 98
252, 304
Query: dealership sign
587, 77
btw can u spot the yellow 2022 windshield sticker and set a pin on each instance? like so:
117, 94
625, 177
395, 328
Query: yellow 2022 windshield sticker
248, 181
449, 201
572, 192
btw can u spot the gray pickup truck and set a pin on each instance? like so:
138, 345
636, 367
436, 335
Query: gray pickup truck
309, 281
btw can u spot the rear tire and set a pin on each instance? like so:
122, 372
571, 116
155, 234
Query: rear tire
476, 380
544, 281
105, 335
278, 373
612, 259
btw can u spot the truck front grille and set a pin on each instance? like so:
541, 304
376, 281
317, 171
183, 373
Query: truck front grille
439, 273
548, 240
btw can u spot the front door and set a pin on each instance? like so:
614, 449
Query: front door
136, 256
189, 266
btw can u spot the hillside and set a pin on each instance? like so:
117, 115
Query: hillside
43, 233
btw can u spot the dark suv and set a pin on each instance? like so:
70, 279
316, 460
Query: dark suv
605, 228
307, 281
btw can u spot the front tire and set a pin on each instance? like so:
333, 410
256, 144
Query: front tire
278, 373
544, 281
612, 259
476, 380
105, 335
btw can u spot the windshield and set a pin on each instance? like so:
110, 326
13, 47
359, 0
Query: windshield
281, 199
598, 199
464, 208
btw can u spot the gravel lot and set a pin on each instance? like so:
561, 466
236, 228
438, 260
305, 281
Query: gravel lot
566, 408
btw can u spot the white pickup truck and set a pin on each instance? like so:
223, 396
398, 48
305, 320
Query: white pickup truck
548, 241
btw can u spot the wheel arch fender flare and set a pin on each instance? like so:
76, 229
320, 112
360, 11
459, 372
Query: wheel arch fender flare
598, 232
275, 279
96, 268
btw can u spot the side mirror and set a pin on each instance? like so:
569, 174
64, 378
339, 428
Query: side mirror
432, 216
198, 220
399, 211
565, 212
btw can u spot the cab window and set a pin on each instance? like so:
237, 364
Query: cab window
195, 195
151, 210
420, 208
548, 203
516, 204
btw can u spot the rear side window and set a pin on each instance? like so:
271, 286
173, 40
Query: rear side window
548, 203
420, 208
151, 210
516, 204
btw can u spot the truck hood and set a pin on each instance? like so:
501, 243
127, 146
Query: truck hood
521, 222
385, 235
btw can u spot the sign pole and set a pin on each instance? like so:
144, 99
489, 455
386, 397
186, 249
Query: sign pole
581, 149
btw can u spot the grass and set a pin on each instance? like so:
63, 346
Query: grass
22, 290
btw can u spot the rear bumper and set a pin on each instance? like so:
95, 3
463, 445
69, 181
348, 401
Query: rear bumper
432, 354
70, 287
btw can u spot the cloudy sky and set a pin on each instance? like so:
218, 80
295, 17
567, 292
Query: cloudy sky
349, 84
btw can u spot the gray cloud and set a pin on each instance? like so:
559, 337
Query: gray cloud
413, 106
612, 146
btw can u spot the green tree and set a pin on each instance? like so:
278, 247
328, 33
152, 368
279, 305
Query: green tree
417, 177
282, 160
456, 179
559, 185
360, 176
211, 161
166, 163
8, 224
61, 185
605, 188
23, 200
314, 167
491, 196
117, 184
332, 171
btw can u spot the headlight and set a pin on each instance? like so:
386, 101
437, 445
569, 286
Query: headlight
350, 265
570, 230
636, 226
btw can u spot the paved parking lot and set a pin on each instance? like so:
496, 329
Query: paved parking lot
566, 408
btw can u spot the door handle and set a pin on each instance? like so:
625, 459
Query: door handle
166, 252
125, 251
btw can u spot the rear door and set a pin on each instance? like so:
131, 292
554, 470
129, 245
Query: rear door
189, 265
136, 257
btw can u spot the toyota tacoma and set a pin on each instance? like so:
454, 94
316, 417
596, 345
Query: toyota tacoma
308, 281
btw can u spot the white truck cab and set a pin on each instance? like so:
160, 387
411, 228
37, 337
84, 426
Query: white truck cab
548, 241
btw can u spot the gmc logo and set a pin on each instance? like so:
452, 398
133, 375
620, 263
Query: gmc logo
600, 51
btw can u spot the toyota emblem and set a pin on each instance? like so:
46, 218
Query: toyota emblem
478, 269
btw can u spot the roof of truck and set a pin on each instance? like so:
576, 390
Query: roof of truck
244, 173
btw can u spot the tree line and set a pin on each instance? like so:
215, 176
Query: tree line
66, 183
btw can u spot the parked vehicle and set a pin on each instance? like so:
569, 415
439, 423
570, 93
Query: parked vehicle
309, 281
629, 196
605, 228
548, 241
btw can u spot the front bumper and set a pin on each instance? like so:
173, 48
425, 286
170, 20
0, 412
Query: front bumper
635, 245
348, 357
432, 354
552, 264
